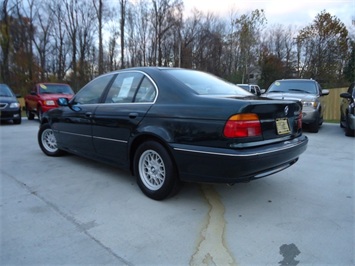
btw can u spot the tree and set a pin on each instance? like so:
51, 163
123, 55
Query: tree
42, 38
99, 13
123, 5
349, 70
325, 46
165, 15
248, 31
5, 42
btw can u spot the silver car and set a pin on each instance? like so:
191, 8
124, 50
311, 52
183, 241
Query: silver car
307, 91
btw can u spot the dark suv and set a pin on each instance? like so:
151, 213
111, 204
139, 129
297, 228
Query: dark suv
347, 110
307, 91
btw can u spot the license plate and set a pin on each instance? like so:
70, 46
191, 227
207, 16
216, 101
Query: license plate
282, 126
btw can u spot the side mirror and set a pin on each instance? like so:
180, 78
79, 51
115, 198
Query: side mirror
33, 93
346, 95
63, 102
325, 92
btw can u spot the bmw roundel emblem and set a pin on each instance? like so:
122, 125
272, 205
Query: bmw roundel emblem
286, 110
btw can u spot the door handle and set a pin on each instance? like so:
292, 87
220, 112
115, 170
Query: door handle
132, 115
88, 114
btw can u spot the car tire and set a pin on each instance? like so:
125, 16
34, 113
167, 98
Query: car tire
29, 114
39, 113
155, 171
348, 131
47, 141
314, 127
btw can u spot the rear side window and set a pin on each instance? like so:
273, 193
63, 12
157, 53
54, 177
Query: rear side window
124, 88
131, 87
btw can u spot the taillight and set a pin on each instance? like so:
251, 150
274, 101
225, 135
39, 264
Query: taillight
242, 125
299, 121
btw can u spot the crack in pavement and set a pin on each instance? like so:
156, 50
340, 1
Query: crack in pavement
212, 249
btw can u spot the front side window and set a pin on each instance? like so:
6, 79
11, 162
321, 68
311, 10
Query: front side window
92, 92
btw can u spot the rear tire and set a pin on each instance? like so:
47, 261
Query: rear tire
155, 171
47, 141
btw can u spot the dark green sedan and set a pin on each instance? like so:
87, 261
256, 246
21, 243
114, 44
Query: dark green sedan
170, 125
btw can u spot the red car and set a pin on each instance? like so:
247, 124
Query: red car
44, 96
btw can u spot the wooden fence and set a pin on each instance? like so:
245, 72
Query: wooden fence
332, 101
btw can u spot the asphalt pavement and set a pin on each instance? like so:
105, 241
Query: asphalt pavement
73, 211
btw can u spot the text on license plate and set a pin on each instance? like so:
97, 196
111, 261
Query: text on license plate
282, 126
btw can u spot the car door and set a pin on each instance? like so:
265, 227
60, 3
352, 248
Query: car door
126, 103
74, 125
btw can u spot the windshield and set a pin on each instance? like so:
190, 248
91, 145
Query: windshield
206, 84
5, 91
293, 86
55, 89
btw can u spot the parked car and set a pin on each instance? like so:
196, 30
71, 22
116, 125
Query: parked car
254, 89
347, 110
168, 125
307, 91
44, 96
10, 108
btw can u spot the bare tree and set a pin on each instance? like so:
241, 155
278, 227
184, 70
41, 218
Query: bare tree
5, 41
165, 15
59, 37
42, 38
99, 7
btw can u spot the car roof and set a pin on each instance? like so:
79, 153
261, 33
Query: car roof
301, 80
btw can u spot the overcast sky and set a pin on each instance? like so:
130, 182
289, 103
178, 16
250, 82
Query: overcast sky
287, 12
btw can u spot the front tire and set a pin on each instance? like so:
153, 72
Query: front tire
348, 131
155, 171
47, 141
29, 114
40, 114
314, 127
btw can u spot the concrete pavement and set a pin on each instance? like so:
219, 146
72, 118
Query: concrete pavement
74, 211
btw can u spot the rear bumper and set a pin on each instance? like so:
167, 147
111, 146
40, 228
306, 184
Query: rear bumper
205, 164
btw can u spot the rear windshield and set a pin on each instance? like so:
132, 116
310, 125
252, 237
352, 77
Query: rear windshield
206, 84
55, 89
293, 86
